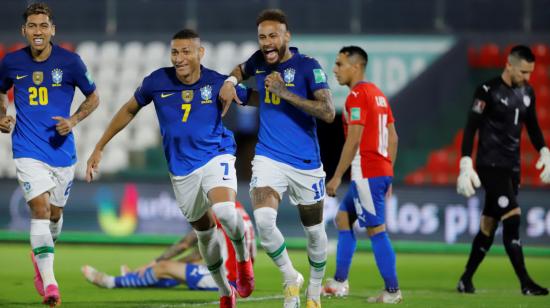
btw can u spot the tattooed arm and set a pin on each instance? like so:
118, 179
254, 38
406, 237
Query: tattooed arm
64, 126
321, 107
185, 243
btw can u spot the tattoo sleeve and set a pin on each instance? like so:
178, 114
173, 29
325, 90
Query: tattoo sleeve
86, 108
321, 107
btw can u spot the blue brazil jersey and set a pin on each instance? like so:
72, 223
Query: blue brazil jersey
288, 134
189, 117
44, 90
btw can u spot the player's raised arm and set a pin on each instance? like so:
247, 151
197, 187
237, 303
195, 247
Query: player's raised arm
228, 93
321, 107
6, 121
124, 115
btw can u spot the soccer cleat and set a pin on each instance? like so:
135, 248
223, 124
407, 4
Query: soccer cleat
245, 278
38, 284
292, 292
312, 302
229, 301
531, 288
335, 288
51, 296
465, 286
387, 298
124, 269
96, 277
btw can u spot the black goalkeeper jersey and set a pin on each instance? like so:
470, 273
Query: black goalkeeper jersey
499, 113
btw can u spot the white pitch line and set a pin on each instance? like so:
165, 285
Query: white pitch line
250, 299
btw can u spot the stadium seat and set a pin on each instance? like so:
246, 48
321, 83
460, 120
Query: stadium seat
417, 177
67, 45
542, 53
132, 54
16, 46
88, 52
489, 56
109, 53
540, 75
155, 53
473, 57
226, 55
247, 49
209, 59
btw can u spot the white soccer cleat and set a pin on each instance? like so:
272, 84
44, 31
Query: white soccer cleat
96, 277
335, 288
387, 298
292, 292
124, 269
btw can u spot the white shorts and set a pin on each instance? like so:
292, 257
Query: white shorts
191, 190
36, 177
305, 187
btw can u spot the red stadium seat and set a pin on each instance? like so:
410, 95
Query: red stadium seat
505, 53
416, 178
67, 45
540, 76
489, 56
542, 53
542, 93
473, 57
16, 46
2, 51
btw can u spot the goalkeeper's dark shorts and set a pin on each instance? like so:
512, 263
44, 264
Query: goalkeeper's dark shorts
501, 189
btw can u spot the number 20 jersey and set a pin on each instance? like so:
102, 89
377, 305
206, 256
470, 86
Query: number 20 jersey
44, 90
366, 105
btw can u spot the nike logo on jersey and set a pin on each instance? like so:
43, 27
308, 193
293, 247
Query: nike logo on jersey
20, 77
259, 71
486, 88
165, 95
354, 93
504, 101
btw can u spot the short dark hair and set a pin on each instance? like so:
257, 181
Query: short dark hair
522, 52
272, 15
356, 51
186, 34
37, 8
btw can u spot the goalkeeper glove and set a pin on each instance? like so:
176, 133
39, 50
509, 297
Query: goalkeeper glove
544, 164
468, 178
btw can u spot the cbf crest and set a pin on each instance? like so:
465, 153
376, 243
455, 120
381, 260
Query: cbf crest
206, 94
288, 76
37, 78
187, 95
57, 77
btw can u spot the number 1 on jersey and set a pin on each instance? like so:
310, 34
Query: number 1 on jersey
383, 134
271, 98
186, 109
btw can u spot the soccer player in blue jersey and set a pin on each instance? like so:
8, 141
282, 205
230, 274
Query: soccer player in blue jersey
199, 151
44, 77
293, 92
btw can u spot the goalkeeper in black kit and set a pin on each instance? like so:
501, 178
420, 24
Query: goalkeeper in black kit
501, 107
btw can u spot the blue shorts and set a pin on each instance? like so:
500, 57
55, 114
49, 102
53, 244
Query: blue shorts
366, 200
198, 278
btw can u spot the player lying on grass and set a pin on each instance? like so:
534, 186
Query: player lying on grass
165, 272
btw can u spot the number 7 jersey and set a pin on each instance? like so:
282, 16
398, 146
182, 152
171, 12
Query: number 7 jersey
366, 105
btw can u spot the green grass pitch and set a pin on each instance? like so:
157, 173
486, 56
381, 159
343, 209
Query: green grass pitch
427, 280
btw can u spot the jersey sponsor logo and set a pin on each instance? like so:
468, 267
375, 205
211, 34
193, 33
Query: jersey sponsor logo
206, 94
187, 95
504, 101
319, 75
20, 77
57, 77
355, 113
526, 100
37, 78
165, 95
288, 76
479, 106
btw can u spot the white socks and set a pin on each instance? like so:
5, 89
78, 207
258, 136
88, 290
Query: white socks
55, 228
317, 253
273, 242
233, 225
43, 249
209, 247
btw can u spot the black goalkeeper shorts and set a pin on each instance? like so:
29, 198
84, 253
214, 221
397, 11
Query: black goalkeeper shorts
501, 189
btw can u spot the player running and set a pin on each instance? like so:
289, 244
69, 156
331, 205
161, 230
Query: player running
199, 151
293, 92
44, 77
164, 272
500, 108
370, 149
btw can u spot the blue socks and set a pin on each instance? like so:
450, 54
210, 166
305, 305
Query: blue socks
344, 254
385, 260
134, 280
